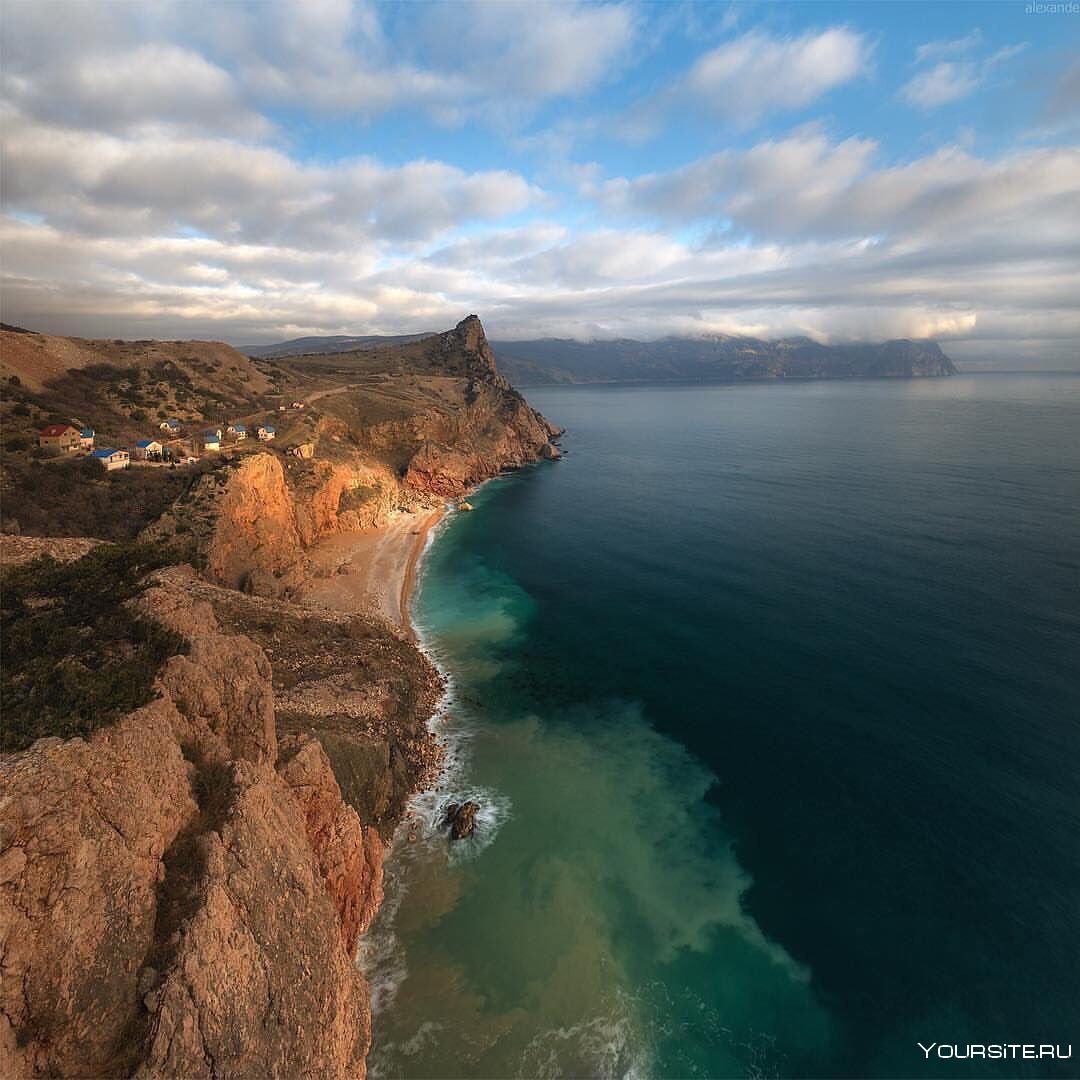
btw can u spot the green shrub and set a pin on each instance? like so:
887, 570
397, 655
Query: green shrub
76, 657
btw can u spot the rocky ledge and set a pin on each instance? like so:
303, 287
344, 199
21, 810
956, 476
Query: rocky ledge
140, 864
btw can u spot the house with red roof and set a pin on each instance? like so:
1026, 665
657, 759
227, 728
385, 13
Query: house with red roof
59, 439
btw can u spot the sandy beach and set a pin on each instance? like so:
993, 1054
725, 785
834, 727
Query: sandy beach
372, 571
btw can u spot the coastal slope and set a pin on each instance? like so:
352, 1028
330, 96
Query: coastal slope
191, 838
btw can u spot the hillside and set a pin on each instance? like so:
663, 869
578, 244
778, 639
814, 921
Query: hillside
553, 360
392, 408
203, 764
329, 344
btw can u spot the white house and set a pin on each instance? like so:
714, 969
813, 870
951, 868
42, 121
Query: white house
297, 404
112, 459
266, 432
148, 450
170, 426
239, 431
86, 438
211, 440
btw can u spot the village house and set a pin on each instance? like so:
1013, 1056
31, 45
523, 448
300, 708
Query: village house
86, 438
297, 404
59, 439
266, 432
239, 431
112, 459
148, 450
211, 440
169, 426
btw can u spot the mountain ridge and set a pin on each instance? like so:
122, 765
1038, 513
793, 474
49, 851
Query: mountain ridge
545, 361
722, 358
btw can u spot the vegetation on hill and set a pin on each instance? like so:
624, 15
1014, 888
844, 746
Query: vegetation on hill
76, 657
76, 497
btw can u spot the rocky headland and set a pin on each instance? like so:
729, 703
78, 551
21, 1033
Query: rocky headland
182, 887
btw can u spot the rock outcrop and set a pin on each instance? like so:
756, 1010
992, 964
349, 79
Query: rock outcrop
84, 828
181, 894
459, 423
175, 897
261, 985
461, 818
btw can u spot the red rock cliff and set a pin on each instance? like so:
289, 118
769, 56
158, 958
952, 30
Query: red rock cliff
178, 898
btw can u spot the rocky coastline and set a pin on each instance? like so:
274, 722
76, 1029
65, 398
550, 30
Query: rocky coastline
182, 891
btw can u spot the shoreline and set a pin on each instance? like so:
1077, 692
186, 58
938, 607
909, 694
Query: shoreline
411, 576
373, 571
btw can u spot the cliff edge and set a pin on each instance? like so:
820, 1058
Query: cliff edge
185, 873
181, 843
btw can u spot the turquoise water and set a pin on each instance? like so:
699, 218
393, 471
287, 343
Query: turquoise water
771, 698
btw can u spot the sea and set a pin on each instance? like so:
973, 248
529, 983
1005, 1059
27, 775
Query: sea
770, 698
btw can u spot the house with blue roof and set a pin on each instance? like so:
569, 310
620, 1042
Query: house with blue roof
239, 431
148, 450
111, 458
86, 438
266, 432
172, 426
211, 440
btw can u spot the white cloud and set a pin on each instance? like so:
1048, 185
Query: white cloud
941, 84
950, 80
756, 74
160, 182
149, 194
935, 50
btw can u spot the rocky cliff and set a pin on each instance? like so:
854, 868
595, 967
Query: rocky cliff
181, 891
180, 894
447, 422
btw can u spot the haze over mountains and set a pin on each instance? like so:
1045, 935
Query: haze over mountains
333, 344
559, 360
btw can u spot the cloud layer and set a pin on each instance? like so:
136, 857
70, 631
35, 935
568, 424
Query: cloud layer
154, 184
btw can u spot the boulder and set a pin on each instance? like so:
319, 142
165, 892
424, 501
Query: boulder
461, 817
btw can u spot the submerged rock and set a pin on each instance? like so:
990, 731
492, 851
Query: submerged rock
465, 505
461, 817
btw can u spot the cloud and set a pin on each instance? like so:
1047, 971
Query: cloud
151, 187
806, 186
560, 50
158, 182
941, 84
756, 74
950, 80
112, 66
935, 50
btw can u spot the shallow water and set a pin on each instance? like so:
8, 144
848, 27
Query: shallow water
770, 698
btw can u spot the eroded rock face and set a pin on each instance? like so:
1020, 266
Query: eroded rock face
255, 524
261, 985
222, 689
350, 857
84, 826
172, 905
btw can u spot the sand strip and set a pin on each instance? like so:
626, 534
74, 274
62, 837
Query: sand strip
374, 570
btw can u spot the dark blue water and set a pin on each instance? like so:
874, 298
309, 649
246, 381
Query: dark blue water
771, 695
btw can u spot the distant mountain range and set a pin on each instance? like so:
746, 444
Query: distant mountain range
299, 346
554, 360
728, 359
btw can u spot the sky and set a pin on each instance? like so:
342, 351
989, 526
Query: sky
252, 172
